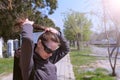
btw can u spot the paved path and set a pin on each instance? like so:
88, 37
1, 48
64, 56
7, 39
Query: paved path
64, 70
6, 76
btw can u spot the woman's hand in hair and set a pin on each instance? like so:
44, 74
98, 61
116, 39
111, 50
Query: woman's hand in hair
52, 30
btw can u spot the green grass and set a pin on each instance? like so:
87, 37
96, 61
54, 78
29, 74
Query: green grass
6, 65
81, 58
98, 74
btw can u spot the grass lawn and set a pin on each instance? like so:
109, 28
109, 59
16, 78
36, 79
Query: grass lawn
6, 65
81, 58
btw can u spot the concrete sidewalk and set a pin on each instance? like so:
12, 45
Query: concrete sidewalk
6, 76
64, 70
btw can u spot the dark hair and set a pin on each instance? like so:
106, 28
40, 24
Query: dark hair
47, 36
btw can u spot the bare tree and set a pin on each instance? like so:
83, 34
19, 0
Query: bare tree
112, 53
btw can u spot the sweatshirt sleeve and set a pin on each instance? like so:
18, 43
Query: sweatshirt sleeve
26, 58
27, 31
61, 51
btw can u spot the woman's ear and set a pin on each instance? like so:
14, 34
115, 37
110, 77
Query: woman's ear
39, 43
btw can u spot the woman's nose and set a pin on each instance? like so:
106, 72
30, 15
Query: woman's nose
50, 54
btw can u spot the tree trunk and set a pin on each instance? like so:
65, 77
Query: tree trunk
78, 41
113, 72
78, 45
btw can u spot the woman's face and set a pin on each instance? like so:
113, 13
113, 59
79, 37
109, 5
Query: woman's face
45, 50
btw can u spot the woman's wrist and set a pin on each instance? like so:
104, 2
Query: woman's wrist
28, 22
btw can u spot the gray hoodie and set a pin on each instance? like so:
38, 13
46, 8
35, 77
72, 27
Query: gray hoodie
31, 62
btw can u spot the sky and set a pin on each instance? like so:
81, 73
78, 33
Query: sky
84, 6
65, 6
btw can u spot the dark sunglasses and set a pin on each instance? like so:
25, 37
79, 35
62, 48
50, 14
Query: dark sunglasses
48, 50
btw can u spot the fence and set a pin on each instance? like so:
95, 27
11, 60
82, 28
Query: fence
12, 45
1, 42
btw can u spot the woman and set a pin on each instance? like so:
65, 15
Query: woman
37, 61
